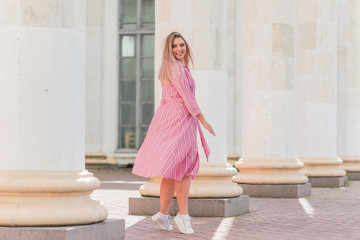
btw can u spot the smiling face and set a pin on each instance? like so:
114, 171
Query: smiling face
179, 48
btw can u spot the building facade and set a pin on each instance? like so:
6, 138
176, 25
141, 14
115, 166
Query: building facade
288, 69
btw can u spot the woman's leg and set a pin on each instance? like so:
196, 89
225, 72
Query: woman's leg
167, 189
182, 194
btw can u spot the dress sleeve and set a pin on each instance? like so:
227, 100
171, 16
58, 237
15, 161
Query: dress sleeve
178, 81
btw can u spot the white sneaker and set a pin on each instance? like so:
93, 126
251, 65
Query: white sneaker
183, 223
163, 223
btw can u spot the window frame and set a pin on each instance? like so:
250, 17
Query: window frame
138, 33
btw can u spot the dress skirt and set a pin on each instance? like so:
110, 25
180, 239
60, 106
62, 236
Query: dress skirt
170, 147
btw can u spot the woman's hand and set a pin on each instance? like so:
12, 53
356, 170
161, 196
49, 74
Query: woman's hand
208, 127
205, 124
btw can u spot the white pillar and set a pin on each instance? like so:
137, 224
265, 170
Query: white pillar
42, 99
269, 98
349, 86
203, 24
102, 38
234, 72
317, 90
94, 76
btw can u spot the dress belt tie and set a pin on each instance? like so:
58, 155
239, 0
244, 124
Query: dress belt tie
169, 99
202, 138
203, 142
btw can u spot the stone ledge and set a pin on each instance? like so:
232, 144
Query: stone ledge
198, 207
327, 182
353, 175
110, 229
277, 190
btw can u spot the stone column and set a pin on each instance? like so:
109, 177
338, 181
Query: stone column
102, 65
203, 24
269, 166
234, 71
317, 92
349, 87
42, 102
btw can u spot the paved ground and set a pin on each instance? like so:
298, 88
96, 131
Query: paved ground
327, 214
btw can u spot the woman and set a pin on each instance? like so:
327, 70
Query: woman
170, 147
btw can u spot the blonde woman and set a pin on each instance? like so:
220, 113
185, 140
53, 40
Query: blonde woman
170, 147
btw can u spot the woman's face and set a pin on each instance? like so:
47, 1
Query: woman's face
179, 48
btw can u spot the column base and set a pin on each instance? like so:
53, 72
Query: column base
351, 163
328, 182
319, 167
271, 171
110, 229
277, 190
232, 159
353, 175
212, 181
49, 198
198, 207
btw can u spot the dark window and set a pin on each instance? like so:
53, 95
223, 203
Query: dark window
136, 71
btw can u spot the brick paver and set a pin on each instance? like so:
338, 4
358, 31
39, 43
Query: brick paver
327, 214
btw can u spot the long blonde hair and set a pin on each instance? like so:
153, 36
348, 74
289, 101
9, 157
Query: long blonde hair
169, 60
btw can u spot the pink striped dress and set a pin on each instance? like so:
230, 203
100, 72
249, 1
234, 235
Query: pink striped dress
170, 147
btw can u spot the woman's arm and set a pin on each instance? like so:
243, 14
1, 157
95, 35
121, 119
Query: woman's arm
205, 124
189, 98
185, 93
